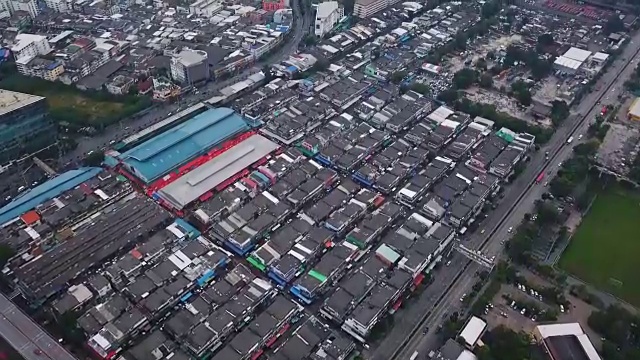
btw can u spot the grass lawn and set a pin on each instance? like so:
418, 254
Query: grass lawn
91, 109
71, 105
606, 247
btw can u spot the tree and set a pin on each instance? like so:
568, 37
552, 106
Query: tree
68, 322
461, 41
421, 88
559, 112
486, 81
481, 64
547, 214
521, 92
464, 78
545, 39
94, 159
613, 24
320, 65
398, 76
268, 74
449, 96
490, 9
309, 40
524, 97
503, 343
6, 253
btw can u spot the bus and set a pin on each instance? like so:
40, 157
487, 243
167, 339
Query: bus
540, 178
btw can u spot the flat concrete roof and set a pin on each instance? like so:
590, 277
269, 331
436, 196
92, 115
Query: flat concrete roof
194, 184
11, 100
473, 330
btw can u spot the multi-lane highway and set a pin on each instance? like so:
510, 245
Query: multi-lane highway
519, 200
26, 337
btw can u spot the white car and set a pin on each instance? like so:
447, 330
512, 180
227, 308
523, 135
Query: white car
510, 230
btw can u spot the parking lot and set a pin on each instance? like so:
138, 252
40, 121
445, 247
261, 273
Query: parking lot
503, 313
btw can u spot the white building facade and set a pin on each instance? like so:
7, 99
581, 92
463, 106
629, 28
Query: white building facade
365, 8
58, 5
30, 45
190, 66
30, 6
328, 15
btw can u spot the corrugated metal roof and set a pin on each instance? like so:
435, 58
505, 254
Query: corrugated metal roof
46, 191
211, 174
158, 156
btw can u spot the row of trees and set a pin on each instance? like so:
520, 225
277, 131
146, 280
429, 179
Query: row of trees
575, 170
489, 111
520, 246
621, 332
503, 343
634, 171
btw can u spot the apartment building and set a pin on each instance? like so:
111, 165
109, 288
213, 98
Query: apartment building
190, 66
25, 125
366, 8
328, 14
38, 67
29, 46
29, 6
58, 5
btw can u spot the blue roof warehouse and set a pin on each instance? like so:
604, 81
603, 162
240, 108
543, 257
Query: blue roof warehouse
160, 155
46, 191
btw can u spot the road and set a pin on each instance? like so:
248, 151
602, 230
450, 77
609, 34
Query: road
128, 127
26, 337
519, 200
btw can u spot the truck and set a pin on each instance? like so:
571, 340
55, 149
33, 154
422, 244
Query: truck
540, 178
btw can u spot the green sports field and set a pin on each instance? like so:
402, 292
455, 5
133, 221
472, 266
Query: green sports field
605, 250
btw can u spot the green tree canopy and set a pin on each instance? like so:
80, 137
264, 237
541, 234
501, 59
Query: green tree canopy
6, 253
421, 88
613, 24
398, 76
545, 39
464, 78
559, 112
94, 159
486, 81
